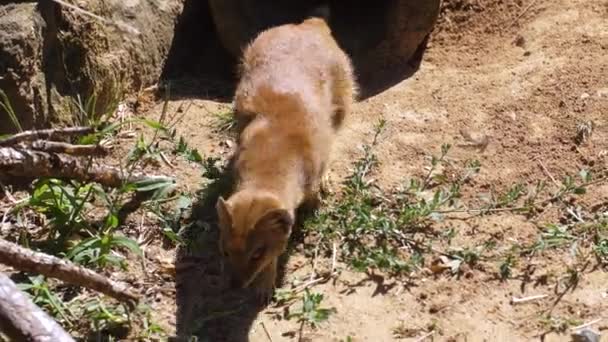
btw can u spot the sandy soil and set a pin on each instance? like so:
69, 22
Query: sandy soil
520, 73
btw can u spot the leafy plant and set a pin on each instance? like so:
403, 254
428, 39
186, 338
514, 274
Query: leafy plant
311, 312
102, 316
554, 236
43, 296
98, 250
226, 121
63, 203
506, 267
191, 154
5, 104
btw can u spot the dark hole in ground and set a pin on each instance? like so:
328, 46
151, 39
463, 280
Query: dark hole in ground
369, 31
197, 64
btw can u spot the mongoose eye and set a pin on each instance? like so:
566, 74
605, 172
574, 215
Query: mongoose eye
257, 255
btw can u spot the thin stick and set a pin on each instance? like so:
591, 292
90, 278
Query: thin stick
27, 260
301, 334
74, 150
48, 134
586, 325
489, 210
266, 331
36, 164
314, 282
166, 160
546, 171
334, 256
523, 12
425, 336
516, 300
22, 320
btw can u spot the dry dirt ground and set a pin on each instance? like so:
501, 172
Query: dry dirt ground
517, 75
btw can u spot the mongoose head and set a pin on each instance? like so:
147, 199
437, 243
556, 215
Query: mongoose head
254, 230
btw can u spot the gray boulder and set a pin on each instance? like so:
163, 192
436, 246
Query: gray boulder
51, 55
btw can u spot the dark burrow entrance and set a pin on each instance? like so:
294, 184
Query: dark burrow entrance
384, 38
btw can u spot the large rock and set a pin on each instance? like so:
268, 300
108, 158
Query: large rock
21, 44
50, 56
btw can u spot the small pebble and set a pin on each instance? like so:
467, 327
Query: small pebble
520, 41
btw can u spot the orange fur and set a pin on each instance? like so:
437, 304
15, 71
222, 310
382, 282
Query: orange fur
296, 87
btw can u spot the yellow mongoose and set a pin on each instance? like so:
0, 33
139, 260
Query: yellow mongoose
296, 87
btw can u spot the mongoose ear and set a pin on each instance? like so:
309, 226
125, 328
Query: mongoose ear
223, 212
279, 220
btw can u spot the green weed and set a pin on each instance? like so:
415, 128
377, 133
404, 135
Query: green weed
5, 104
311, 312
380, 231
226, 121
104, 317
43, 296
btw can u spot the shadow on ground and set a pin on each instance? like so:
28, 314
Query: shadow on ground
207, 307
197, 66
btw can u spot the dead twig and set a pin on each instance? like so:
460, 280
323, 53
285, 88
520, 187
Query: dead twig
586, 325
313, 282
75, 150
45, 134
166, 160
477, 211
27, 260
547, 173
36, 164
266, 331
334, 257
523, 12
516, 300
22, 320
425, 336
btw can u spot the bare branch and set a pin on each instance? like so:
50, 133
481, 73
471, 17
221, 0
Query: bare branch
22, 320
75, 150
27, 260
26, 163
45, 134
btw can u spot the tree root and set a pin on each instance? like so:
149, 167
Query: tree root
74, 150
26, 163
45, 134
26, 260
